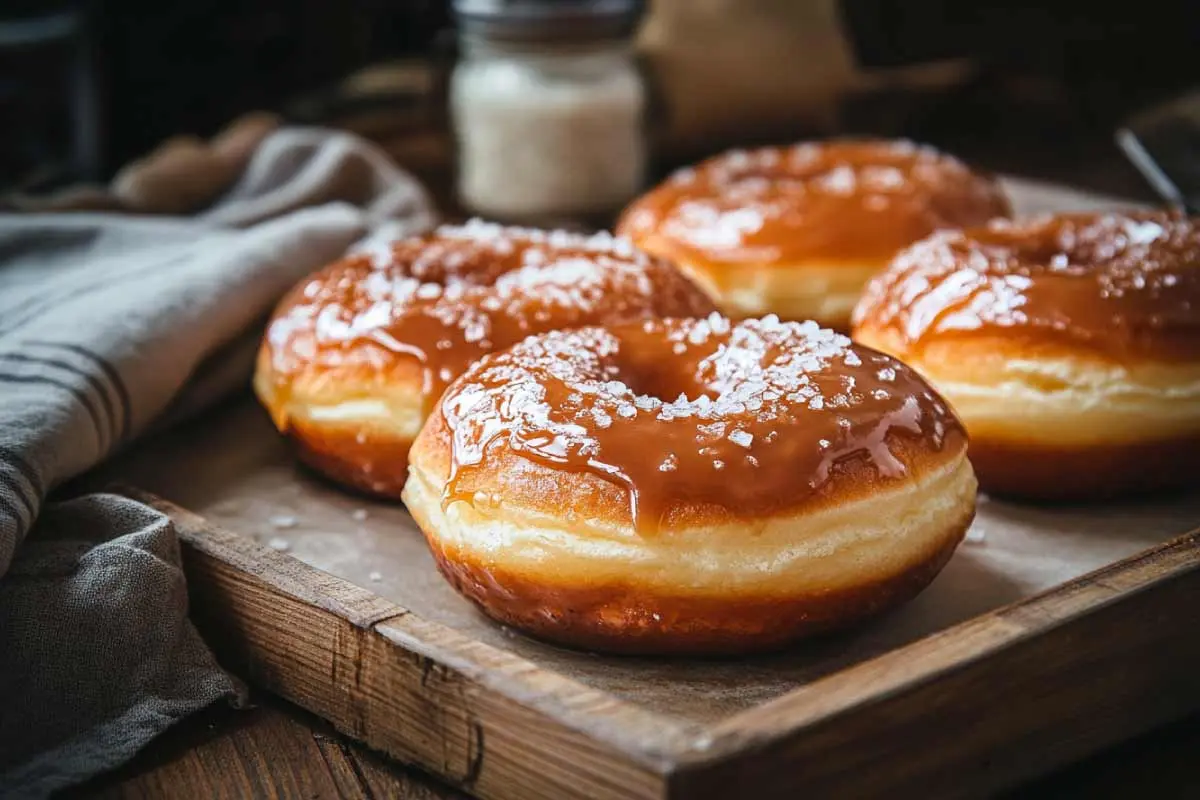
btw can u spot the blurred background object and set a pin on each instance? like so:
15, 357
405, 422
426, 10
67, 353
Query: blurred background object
1163, 142
728, 69
167, 69
1036, 88
549, 109
49, 81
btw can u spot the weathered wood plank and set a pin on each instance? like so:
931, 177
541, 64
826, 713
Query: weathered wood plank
993, 701
487, 721
1000, 698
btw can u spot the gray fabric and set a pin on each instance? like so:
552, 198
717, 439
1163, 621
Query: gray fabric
111, 326
96, 632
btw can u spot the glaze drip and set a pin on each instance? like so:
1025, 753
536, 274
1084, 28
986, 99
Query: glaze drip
444, 300
1123, 284
842, 201
752, 417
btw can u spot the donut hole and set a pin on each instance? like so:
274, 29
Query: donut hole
662, 378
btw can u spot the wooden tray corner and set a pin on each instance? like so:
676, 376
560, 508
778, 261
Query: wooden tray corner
1076, 668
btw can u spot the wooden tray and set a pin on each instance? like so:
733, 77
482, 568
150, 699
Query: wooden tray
1052, 632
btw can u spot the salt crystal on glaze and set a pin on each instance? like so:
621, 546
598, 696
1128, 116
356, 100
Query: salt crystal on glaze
758, 373
741, 438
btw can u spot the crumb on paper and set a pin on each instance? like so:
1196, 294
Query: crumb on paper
376, 577
282, 521
359, 515
279, 543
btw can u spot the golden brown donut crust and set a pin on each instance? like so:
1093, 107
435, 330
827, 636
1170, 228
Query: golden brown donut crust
798, 229
355, 355
1069, 344
1044, 471
374, 463
628, 619
842, 493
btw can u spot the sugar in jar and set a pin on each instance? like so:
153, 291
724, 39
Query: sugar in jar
549, 108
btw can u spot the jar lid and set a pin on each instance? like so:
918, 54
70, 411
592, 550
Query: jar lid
548, 20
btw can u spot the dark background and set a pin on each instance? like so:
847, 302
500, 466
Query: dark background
99, 83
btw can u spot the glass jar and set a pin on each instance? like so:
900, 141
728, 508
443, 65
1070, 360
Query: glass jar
549, 109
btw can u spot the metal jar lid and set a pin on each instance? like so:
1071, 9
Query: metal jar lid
548, 20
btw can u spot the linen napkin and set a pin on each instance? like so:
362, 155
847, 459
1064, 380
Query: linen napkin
111, 324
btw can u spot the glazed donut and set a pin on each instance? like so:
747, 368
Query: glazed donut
1069, 345
355, 356
691, 486
798, 231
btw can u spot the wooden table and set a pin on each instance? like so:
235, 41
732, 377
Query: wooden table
278, 750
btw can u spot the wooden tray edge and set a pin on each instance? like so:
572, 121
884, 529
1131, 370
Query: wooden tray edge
500, 726
1130, 623
775, 746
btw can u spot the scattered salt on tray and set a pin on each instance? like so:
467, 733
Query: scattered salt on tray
975, 535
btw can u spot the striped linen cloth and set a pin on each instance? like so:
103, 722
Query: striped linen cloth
112, 326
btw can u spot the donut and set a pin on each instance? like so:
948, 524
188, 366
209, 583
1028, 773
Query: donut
355, 356
797, 231
689, 486
1068, 344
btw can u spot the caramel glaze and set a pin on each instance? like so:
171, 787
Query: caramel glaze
1124, 285
445, 299
765, 416
838, 201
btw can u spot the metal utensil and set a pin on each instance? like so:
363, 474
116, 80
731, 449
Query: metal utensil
1163, 143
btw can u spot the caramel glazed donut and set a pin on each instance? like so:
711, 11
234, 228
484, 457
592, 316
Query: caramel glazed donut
796, 483
798, 231
356, 355
1069, 345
